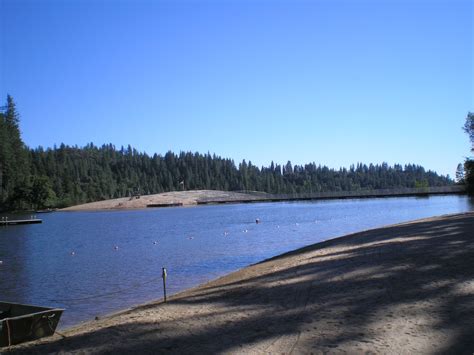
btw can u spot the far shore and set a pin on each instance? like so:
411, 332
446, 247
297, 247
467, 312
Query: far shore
166, 199
401, 289
198, 197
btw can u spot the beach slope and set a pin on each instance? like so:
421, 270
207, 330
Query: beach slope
404, 289
173, 198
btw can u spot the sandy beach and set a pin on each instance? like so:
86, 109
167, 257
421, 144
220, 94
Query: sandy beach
402, 289
183, 198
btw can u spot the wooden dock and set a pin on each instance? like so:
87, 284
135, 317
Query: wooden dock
20, 221
173, 204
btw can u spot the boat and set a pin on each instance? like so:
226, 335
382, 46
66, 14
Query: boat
21, 322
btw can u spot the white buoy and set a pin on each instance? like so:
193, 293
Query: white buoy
73, 253
155, 242
116, 247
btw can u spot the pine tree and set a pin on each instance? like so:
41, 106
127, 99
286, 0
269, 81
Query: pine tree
460, 174
469, 163
14, 165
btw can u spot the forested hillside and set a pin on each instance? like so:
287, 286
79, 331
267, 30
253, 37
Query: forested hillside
65, 175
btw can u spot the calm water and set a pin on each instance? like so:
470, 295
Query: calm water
194, 244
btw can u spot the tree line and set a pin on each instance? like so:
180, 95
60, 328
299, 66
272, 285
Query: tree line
68, 175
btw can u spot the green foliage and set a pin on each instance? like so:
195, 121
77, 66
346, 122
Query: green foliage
14, 165
65, 175
469, 176
469, 163
469, 128
41, 193
422, 184
460, 174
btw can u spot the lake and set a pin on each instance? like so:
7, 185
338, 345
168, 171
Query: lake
95, 263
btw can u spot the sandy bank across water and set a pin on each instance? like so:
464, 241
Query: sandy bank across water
196, 197
173, 198
407, 288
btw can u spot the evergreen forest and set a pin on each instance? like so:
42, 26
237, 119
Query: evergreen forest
34, 178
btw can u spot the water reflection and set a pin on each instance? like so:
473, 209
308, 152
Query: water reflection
14, 259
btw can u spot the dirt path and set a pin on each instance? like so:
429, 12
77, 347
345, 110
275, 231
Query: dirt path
404, 289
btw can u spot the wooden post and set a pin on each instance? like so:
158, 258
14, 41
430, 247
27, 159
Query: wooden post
164, 275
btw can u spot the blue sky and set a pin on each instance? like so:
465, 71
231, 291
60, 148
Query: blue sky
334, 82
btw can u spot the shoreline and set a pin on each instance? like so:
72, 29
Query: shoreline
216, 197
318, 245
280, 290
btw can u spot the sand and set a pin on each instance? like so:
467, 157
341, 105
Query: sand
185, 198
403, 289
